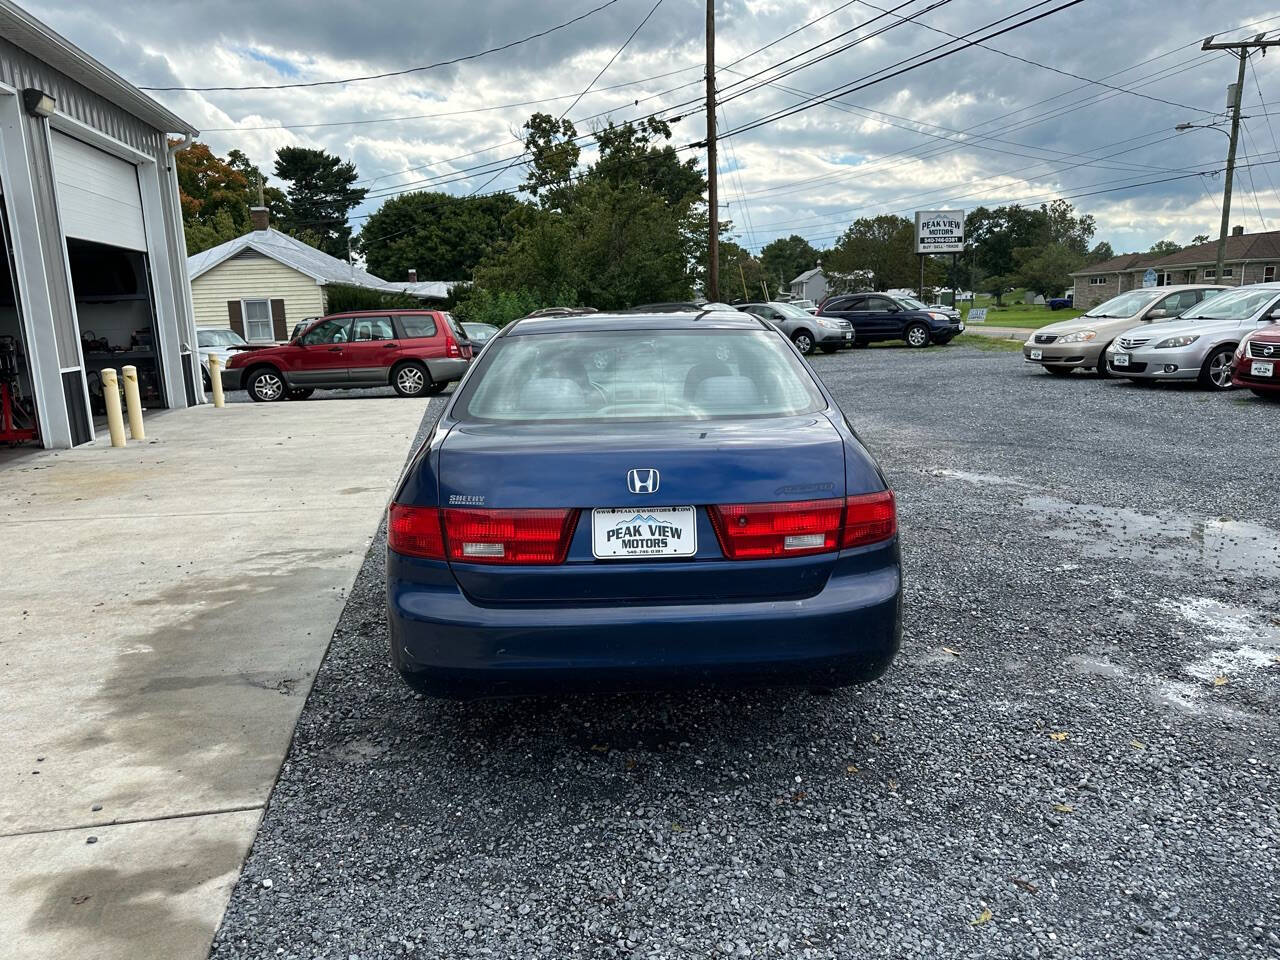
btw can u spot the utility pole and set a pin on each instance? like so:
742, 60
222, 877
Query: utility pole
713, 201
1241, 50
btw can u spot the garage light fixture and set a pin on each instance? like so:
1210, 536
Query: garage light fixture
38, 103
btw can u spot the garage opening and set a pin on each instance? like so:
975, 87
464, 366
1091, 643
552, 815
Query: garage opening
117, 323
17, 404
101, 210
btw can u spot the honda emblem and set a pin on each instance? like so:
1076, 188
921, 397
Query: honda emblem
642, 480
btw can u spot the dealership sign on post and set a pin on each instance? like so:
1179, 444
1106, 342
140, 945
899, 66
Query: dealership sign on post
939, 231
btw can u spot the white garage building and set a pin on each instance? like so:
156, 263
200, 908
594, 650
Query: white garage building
94, 260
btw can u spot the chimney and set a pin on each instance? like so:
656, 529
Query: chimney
260, 218
413, 275
1237, 231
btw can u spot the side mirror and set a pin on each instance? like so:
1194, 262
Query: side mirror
1157, 314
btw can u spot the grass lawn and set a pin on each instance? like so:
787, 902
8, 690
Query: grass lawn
980, 342
1025, 315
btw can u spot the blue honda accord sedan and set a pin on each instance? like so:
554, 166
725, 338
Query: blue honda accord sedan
633, 501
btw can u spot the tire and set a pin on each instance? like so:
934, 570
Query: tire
265, 385
827, 348
803, 340
300, 393
917, 334
1101, 371
411, 380
1059, 371
1216, 372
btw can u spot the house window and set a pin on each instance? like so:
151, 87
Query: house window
1211, 273
1226, 273
1268, 274
257, 320
1097, 281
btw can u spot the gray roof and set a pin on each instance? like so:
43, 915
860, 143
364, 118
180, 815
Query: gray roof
29, 34
292, 252
808, 274
428, 289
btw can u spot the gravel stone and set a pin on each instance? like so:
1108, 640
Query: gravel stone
1082, 557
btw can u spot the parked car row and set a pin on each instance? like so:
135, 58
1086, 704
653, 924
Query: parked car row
857, 319
1198, 332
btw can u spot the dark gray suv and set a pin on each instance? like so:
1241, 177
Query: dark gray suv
806, 331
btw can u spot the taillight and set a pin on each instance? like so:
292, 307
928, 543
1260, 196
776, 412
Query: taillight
869, 518
534, 537
509, 536
415, 531
753, 531
451, 347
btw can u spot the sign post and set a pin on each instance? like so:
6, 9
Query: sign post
1149, 278
939, 231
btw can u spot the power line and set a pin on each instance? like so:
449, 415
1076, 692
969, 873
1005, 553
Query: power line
392, 73
447, 114
865, 81
1045, 66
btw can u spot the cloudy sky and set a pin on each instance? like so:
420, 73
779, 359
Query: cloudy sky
979, 127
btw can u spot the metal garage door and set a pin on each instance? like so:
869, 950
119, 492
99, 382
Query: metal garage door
98, 195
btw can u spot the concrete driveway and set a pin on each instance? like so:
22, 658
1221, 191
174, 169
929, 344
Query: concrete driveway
163, 611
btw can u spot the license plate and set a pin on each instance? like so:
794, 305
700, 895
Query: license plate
1120, 360
1037, 354
643, 532
1262, 368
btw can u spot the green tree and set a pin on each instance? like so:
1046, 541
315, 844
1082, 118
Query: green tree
786, 258
741, 274
1100, 253
1046, 270
321, 195
276, 202
1199, 238
625, 230
885, 245
1165, 247
441, 236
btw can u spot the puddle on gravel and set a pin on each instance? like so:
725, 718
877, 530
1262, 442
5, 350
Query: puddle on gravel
1222, 544
982, 479
1245, 640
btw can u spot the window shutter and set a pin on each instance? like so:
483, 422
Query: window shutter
235, 317
277, 320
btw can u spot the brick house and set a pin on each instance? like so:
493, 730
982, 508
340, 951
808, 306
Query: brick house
1250, 258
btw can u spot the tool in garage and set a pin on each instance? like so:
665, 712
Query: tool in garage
17, 414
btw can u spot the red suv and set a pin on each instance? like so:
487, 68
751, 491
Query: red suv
1257, 362
416, 351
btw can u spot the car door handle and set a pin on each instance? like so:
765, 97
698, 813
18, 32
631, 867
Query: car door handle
390, 346
335, 349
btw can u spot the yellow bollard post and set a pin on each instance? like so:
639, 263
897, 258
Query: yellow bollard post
215, 379
133, 402
111, 397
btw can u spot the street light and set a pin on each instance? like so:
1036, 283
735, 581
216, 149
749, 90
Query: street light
1201, 126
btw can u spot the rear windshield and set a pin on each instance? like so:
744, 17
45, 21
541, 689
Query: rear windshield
639, 375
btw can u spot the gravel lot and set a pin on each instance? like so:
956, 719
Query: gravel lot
1074, 756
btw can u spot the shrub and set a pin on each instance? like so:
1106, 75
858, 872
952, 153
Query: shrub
500, 307
341, 297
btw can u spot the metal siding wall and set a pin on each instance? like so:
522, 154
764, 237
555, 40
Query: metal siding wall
19, 69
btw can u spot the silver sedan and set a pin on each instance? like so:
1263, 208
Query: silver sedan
1198, 344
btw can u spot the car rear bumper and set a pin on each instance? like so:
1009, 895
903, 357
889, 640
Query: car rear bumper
446, 369
847, 633
233, 379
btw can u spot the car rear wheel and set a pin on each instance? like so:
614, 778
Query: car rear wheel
1059, 371
411, 380
803, 340
300, 393
266, 385
1216, 372
917, 335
